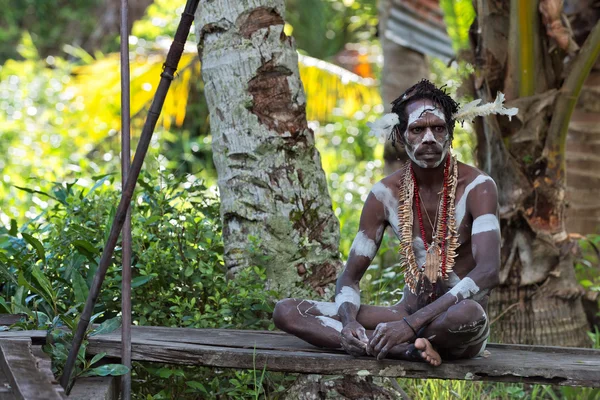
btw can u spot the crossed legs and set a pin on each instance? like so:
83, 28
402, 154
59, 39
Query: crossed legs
460, 332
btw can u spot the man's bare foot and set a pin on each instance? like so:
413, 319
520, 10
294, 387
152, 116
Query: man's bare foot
428, 352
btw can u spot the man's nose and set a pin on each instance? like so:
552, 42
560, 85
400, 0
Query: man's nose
429, 137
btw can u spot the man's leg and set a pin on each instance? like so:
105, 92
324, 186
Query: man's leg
317, 323
460, 332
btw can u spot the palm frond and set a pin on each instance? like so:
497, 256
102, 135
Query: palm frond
329, 90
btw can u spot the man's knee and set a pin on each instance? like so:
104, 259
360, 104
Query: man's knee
466, 316
284, 314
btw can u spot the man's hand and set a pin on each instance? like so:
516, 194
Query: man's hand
388, 335
354, 339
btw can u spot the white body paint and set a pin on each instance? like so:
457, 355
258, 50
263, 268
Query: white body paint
347, 295
419, 250
485, 223
390, 205
461, 207
466, 288
328, 309
331, 323
363, 246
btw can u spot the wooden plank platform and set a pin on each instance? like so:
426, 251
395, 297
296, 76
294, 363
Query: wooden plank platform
278, 351
24, 377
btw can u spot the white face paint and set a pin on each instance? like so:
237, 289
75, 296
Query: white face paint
419, 250
390, 205
331, 323
363, 246
416, 115
485, 223
347, 295
461, 207
466, 288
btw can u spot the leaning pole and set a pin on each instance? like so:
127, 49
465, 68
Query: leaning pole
167, 76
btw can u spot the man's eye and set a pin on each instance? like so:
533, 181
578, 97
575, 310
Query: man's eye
439, 129
417, 129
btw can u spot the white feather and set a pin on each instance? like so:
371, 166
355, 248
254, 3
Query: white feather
472, 109
383, 126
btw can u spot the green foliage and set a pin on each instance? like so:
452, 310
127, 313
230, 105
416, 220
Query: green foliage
178, 276
322, 28
458, 16
50, 23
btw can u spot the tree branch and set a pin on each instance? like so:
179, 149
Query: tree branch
556, 141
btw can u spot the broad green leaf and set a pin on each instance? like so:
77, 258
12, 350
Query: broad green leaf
86, 249
108, 326
108, 369
80, 287
97, 358
4, 306
141, 280
36, 244
44, 285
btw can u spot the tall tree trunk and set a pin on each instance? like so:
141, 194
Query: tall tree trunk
583, 141
539, 299
402, 68
583, 160
275, 204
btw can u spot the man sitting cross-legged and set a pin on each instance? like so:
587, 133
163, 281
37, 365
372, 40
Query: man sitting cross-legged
445, 215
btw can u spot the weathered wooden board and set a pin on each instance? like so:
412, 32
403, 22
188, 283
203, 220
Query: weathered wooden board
228, 348
9, 319
20, 368
282, 352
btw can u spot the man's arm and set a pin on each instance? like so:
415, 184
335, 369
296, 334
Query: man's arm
482, 204
364, 248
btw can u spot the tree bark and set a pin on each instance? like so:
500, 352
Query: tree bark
538, 300
402, 68
275, 206
583, 141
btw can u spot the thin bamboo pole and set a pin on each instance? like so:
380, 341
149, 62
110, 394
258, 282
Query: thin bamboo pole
167, 77
125, 165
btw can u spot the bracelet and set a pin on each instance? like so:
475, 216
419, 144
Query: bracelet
410, 326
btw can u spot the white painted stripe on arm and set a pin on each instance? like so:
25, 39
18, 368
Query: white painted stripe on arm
466, 288
364, 246
347, 295
390, 204
485, 223
461, 207
331, 323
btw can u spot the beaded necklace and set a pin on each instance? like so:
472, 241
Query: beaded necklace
440, 254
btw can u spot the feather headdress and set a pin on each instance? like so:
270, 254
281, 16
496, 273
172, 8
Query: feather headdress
384, 126
473, 109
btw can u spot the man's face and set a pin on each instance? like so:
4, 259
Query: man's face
426, 138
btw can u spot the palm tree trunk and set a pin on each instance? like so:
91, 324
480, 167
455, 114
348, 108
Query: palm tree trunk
583, 160
275, 205
539, 299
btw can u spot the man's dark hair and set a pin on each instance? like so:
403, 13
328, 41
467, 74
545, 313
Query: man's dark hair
423, 90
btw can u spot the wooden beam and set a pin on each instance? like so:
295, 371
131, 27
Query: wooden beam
281, 352
229, 348
20, 369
